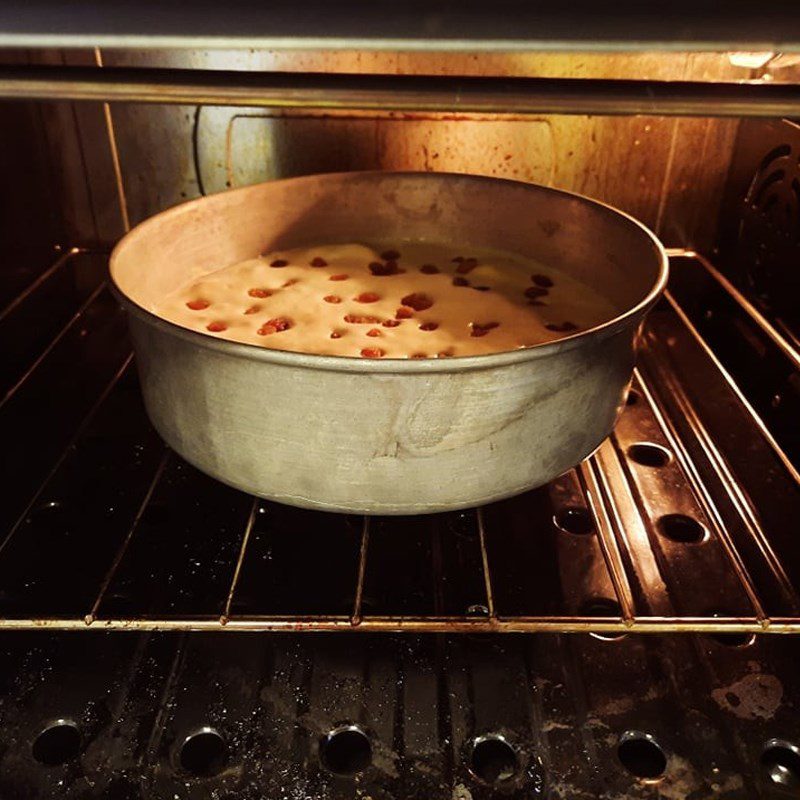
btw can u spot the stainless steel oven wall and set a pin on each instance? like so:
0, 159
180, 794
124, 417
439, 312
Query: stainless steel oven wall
668, 172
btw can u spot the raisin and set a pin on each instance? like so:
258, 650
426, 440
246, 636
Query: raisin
457, 281
380, 270
390, 323
252, 310
374, 332
259, 293
418, 355
466, 266
532, 292
418, 301
543, 281
367, 297
481, 288
564, 327
332, 298
336, 335
279, 262
445, 354
482, 328
318, 262
373, 352
429, 269
429, 326
198, 305
216, 327
390, 255
340, 277
360, 319
404, 313
274, 326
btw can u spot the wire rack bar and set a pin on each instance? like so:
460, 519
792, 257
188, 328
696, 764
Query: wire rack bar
734, 491
487, 575
599, 490
780, 341
355, 617
78, 432
389, 624
57, 264
408, 93
599, 500
787, 463
431, 26
226, 613
92, 615
64, 330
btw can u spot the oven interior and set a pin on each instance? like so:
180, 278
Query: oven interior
614, 634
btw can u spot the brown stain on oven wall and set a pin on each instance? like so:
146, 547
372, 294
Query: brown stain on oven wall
667, 172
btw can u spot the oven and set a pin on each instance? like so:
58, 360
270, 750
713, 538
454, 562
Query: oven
628, 631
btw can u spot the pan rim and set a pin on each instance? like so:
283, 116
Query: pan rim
334, 363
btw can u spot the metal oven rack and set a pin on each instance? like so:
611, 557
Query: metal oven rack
683, 520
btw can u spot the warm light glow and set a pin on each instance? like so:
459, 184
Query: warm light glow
751, 60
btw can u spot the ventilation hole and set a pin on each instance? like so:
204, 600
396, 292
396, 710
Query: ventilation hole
477, 610
203, 753
346, 750
739, 639
781, 764
781, 151
492, 760
632, 398
680, 528
641, 755
58, 743
602, 607
766, 185
574, 519
649, 454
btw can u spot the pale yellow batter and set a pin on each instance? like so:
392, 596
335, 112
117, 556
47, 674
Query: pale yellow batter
408, 301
